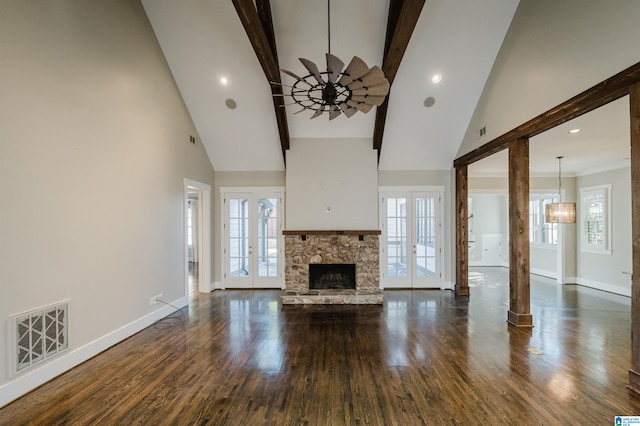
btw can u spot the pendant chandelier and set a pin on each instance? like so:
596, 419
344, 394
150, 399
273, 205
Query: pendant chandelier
357, 88
560, 212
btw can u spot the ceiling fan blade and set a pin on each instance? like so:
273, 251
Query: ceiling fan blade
348, 110
333, 112
356, 69
374, 77
334, 66
298, 112
291, 73
361, 106
318, 112
379, 90
313, 69
296, 76
373, 100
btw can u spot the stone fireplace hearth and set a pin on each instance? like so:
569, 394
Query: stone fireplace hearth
360, 248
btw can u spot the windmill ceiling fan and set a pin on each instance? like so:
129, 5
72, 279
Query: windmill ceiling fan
338, 90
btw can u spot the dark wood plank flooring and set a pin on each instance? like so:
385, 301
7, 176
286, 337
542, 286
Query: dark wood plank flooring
423, 358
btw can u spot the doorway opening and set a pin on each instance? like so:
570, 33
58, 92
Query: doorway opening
197, 237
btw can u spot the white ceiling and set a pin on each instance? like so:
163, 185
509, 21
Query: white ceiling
603, 144
204, 41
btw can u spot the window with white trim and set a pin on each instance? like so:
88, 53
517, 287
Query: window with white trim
540, 232
595, 226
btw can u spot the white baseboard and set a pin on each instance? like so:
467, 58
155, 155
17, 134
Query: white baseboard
616, 289
543, 273
218, 285
482, 263
26, 382
447, 285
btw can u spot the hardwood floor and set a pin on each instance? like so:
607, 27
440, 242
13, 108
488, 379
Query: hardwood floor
424, 357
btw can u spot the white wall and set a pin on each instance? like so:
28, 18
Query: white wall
605, 271
543, 261
94, 147
553, 51
332, 184
489, 215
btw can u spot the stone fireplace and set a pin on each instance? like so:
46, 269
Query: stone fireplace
357, 248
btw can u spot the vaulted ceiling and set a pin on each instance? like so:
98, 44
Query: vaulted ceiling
205, 41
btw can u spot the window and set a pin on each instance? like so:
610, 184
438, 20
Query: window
595, 226
540, 232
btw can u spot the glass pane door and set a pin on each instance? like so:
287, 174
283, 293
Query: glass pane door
410, 251
253, 240
268, 234
425, 239
395, 246
238, 263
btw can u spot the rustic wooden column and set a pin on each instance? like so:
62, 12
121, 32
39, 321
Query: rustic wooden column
634, 104
462, 232
519, 281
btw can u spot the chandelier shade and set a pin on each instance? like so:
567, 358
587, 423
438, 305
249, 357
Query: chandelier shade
560, 212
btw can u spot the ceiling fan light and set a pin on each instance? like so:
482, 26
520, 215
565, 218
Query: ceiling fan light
560, 213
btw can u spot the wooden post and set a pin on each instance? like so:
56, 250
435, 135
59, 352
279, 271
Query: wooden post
634, 107
462, 232
519, 281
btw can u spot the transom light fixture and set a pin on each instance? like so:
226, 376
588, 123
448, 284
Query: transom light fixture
560, 212
357, 88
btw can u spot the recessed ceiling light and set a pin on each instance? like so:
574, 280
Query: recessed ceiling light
230, 103
224, 81
429, 102
436, 78
574, 131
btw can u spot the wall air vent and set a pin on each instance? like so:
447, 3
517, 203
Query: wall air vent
38, 335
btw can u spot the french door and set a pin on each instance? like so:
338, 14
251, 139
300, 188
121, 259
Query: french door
411, 239
253, 255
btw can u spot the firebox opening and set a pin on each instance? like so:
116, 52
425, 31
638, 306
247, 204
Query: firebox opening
332, 276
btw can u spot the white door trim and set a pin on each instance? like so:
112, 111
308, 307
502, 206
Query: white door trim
204, 230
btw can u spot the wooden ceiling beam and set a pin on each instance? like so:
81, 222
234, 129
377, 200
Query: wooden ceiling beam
402, 19
601, 94
258, 24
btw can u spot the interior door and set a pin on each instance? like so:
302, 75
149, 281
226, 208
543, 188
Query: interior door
410, 249
253, 240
